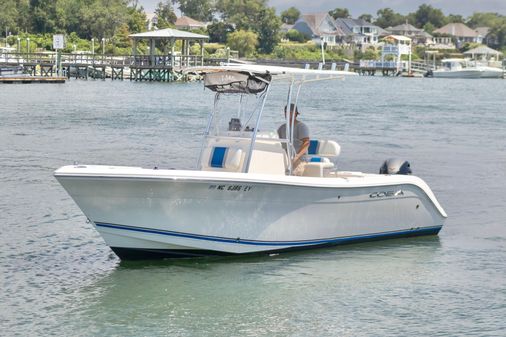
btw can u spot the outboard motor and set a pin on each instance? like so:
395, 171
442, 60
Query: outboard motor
395, 166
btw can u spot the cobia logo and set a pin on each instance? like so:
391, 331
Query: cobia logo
386, 194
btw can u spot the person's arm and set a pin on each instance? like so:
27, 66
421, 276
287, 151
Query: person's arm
303, 149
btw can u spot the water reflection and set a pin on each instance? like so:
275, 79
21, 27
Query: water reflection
248, 294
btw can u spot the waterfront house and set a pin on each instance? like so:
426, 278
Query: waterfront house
417, 35
488, 39
359, 31
319, 27
460, 33
187, 23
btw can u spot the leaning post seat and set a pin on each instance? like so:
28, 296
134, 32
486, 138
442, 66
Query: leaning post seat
320, 158
317, 167
323, 148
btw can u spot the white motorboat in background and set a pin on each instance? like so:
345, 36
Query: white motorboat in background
242, 197
456, 68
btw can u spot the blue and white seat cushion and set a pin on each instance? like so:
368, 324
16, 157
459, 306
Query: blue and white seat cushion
323, 148
218, 157
228, 158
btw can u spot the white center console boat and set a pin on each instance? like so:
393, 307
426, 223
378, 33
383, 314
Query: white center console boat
242, 197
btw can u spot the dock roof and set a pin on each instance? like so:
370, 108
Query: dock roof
169, 33
482, 50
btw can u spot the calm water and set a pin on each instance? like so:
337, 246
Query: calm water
58, 277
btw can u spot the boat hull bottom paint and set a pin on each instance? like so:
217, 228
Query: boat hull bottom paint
149, 254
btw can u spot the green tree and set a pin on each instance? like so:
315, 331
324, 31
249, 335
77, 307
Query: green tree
429, 27
70, 17
121, 39
201, 10
8, 15
43, 14
498, 35
165, 14
23, 15
218, 31
290, 15
387, 18
454, 18
366, 17
136, 19
104, 17
340, 13
296, 36
268, 32
243, 14
426, 14
255, 16
485, 20
244, 42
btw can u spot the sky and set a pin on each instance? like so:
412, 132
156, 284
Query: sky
358, 7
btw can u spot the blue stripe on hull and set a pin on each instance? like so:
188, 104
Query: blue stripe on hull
330, 241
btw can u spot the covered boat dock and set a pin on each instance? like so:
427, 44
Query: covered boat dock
168, 64
484, 52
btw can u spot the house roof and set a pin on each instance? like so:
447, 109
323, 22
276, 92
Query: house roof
168, 33
457, 29
482, 50
314, 22
483, 31
405, 27
186, 21
347, 24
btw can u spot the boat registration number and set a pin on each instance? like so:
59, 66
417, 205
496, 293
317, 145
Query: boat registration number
232, 188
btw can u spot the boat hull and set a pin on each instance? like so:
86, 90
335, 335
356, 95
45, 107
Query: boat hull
194, 213
471, 73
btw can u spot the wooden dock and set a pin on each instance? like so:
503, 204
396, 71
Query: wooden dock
32, 79
93, 66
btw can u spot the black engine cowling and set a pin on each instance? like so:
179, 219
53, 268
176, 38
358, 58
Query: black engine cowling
395, 166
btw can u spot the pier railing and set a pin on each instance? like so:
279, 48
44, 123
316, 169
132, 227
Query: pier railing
378, 64
171, 61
